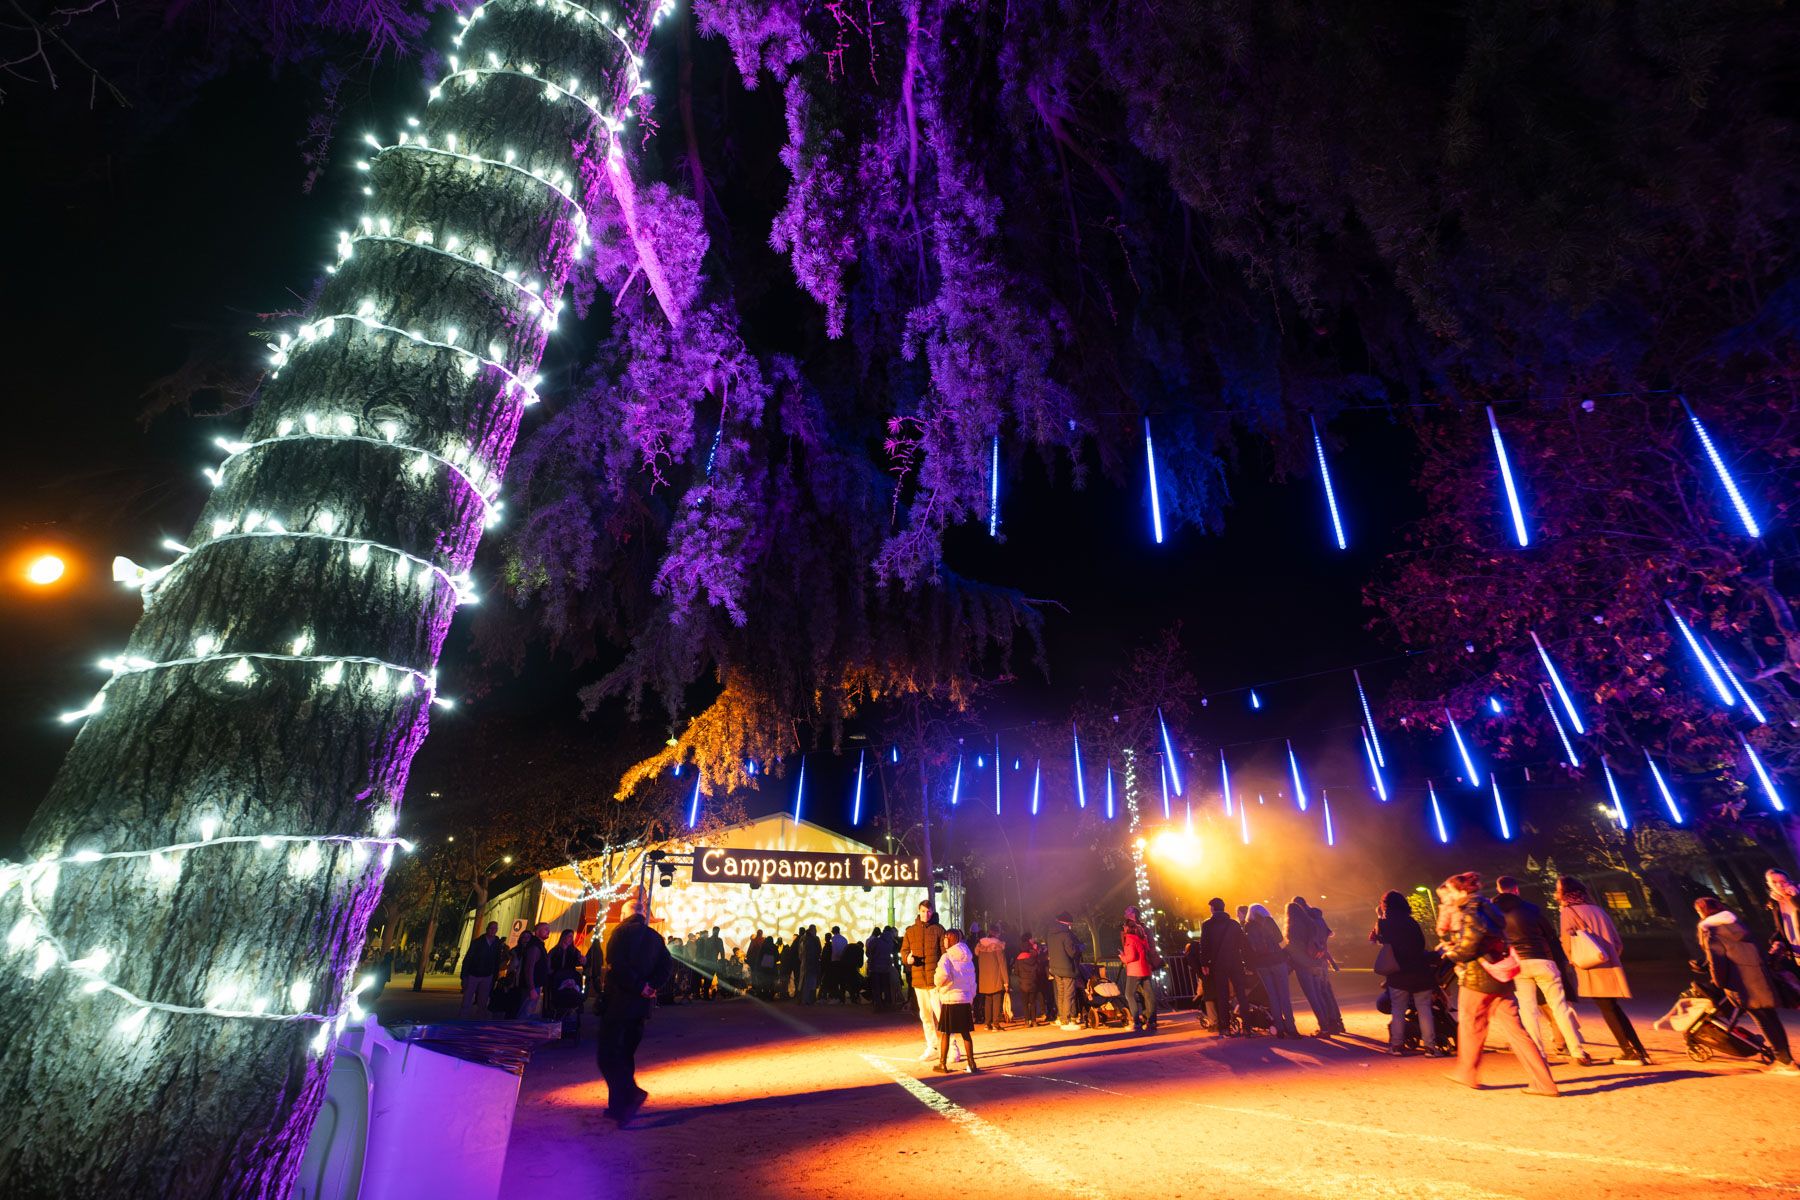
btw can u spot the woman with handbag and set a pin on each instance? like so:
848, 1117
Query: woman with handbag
1486, 972
1403, 963
1595, 951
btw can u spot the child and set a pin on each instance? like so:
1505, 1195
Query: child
955, 986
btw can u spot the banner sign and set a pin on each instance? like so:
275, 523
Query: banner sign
719, 865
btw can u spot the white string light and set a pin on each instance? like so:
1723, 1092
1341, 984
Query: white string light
479, 480
420, 146
325, 327
547, 311
230, 1000
383, 676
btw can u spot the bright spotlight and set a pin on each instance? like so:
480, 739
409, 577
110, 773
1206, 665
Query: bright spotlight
1175, 848
45, 570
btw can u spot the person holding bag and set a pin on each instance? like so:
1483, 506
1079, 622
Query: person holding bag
1592, 944
1487, 968
1406, 968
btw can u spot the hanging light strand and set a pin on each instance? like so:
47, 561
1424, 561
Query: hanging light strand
1337, 521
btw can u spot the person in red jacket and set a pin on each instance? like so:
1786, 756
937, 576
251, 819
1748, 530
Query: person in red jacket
1137, 957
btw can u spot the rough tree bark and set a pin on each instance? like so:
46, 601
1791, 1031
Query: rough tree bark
197, 1105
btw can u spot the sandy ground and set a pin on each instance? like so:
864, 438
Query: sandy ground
781, 1101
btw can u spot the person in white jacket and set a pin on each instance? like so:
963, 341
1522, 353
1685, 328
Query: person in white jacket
955, 992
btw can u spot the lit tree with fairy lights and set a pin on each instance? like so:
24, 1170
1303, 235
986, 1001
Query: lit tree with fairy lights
281, 676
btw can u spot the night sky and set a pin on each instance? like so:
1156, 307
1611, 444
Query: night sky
136, 258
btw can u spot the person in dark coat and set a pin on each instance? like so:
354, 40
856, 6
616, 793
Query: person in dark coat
1542, 969
479, 966
1030, 1006
920, 950
1413, 981
638, 964
1735, 962
1065, 951
1222, 953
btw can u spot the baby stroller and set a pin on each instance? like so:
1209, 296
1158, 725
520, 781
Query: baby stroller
1253, 1016
1708, 1024
1443, 1012
1102, 1002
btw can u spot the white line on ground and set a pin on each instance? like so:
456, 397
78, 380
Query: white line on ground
1491, 1149
1011, 1149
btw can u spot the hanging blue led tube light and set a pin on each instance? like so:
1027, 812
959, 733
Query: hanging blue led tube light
1737, 684
1470, 773
1506, 477
1294, 770
694, 804
1037, 782
994, 491
1500, 807
1080, 784
1700, 656
1163, 774
1550, 707
1169, 753
1612, 789
996, 775
1244, 822
800, 788
1494, 705
1662, 788
1109, 791
1255, 701
1731, 487
1337, 521
956, 783
894, 753
1369, 730
1562, 692
1156, 525
1225, 781
1330, 833
856, 805
1762, 774
1374, 767
1437, 814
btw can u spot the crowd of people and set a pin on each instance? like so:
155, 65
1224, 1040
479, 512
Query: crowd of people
1489, 964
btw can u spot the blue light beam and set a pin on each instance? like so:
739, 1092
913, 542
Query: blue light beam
800, 788
856, 805
1369, 729
956, 783
1080, 784
1562, 692
1156, 525
1225, 781
1550, 707
1374, 767
1163, 774
1762, 774
1470, 773
1109, 792
1506, 477
1662, 788
1731, 487
1330, 833
694, 804
1500, 808
1437, 814
1612, 789
1037, 782
1737, 685
994, 492
1337, 521
1700, 656
1169, 753
1294, 770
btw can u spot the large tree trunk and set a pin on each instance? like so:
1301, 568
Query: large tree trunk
201, 1105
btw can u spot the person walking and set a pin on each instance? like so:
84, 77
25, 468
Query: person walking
990, 981
479, 966
1065, 951
953, 981
1543, 967
1599, 963
1269, 959
1306, 950
1784, 916
637, 964
1486, 995
920, 950
1735, 963
1407, 973
1222, 961
1324, 965
1137, 959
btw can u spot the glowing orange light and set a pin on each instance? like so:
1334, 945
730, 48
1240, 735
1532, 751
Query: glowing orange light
1175, 847
45, 569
